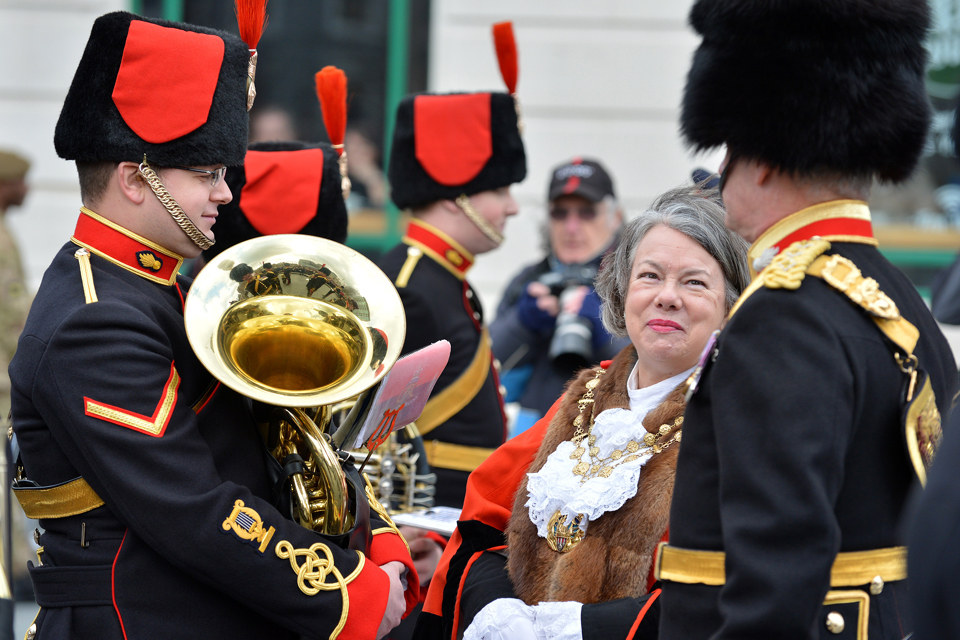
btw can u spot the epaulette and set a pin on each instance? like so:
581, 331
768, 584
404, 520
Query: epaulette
841, 274
413, 257
921, 418
789, 267
786, 271
86, 275
844, 276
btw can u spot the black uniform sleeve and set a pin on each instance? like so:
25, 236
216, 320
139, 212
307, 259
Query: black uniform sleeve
782, 394
487, 581
107, 387
422, 327
614, 620
934, 544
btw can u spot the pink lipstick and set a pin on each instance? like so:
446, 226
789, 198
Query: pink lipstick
664, 326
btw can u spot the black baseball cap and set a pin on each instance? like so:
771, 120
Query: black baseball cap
580, 177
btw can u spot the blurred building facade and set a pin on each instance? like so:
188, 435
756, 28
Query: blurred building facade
602, 79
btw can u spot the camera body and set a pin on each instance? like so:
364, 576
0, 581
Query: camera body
572, 342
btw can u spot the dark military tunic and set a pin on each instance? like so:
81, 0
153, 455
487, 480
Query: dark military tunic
429, 270
186, 543
935, 545
793, 449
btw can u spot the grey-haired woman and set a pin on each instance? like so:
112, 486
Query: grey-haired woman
583, 497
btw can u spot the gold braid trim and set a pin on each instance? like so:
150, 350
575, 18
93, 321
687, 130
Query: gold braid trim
86, 275
172, 207
481, 223
312, 574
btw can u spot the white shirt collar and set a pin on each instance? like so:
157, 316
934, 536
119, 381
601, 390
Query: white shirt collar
642, 401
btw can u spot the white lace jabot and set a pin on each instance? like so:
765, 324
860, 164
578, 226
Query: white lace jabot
555, 487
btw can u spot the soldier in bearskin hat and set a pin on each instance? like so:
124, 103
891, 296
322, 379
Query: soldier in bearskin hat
818, 407
453, 159
150, 479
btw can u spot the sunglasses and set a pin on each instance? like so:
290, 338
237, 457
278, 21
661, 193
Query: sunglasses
586, 214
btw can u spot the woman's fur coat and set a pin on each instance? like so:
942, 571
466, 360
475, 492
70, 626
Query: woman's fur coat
614, 558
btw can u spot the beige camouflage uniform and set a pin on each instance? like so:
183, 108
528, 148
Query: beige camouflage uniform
14, 304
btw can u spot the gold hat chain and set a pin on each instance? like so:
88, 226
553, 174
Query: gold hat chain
172, 207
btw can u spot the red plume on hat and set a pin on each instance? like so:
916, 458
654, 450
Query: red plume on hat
251, 19
332, 93
506, 46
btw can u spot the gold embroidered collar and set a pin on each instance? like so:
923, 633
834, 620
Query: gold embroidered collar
834, 221
442, 248
126, 249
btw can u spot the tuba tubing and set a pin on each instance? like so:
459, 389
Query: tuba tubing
298, 322
334, 508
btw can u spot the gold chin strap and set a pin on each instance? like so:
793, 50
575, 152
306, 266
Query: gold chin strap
172, 207
478, 220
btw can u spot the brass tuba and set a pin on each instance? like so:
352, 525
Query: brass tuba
295, 322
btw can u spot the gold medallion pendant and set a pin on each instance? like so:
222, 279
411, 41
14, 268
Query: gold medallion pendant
563, 537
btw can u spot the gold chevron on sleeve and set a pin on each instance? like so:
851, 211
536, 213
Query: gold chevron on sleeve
153, 425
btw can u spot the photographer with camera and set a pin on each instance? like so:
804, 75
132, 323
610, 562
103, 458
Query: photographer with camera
548, 322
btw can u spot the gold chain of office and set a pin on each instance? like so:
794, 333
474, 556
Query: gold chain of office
599, 467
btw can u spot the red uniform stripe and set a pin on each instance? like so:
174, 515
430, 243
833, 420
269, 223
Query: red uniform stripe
831, 227
113, 586
466, 572
636, 623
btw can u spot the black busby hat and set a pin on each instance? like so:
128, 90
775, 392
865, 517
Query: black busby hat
811, 86
447, 145
282, 187
173, 91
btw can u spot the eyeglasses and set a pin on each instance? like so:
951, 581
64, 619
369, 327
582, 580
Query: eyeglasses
586, 214
216, 175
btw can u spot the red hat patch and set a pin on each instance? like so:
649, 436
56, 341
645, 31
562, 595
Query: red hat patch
166, 81
282, 191
452, 136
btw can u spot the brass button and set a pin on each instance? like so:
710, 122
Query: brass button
31, 632
876, 586
834, 622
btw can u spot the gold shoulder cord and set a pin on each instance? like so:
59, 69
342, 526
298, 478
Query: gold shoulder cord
86, 275
922, 422
413, 257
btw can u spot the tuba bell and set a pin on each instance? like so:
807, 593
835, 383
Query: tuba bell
298, 323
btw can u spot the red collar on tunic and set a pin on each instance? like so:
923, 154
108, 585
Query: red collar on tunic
834, 221
126, 249
439, 246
